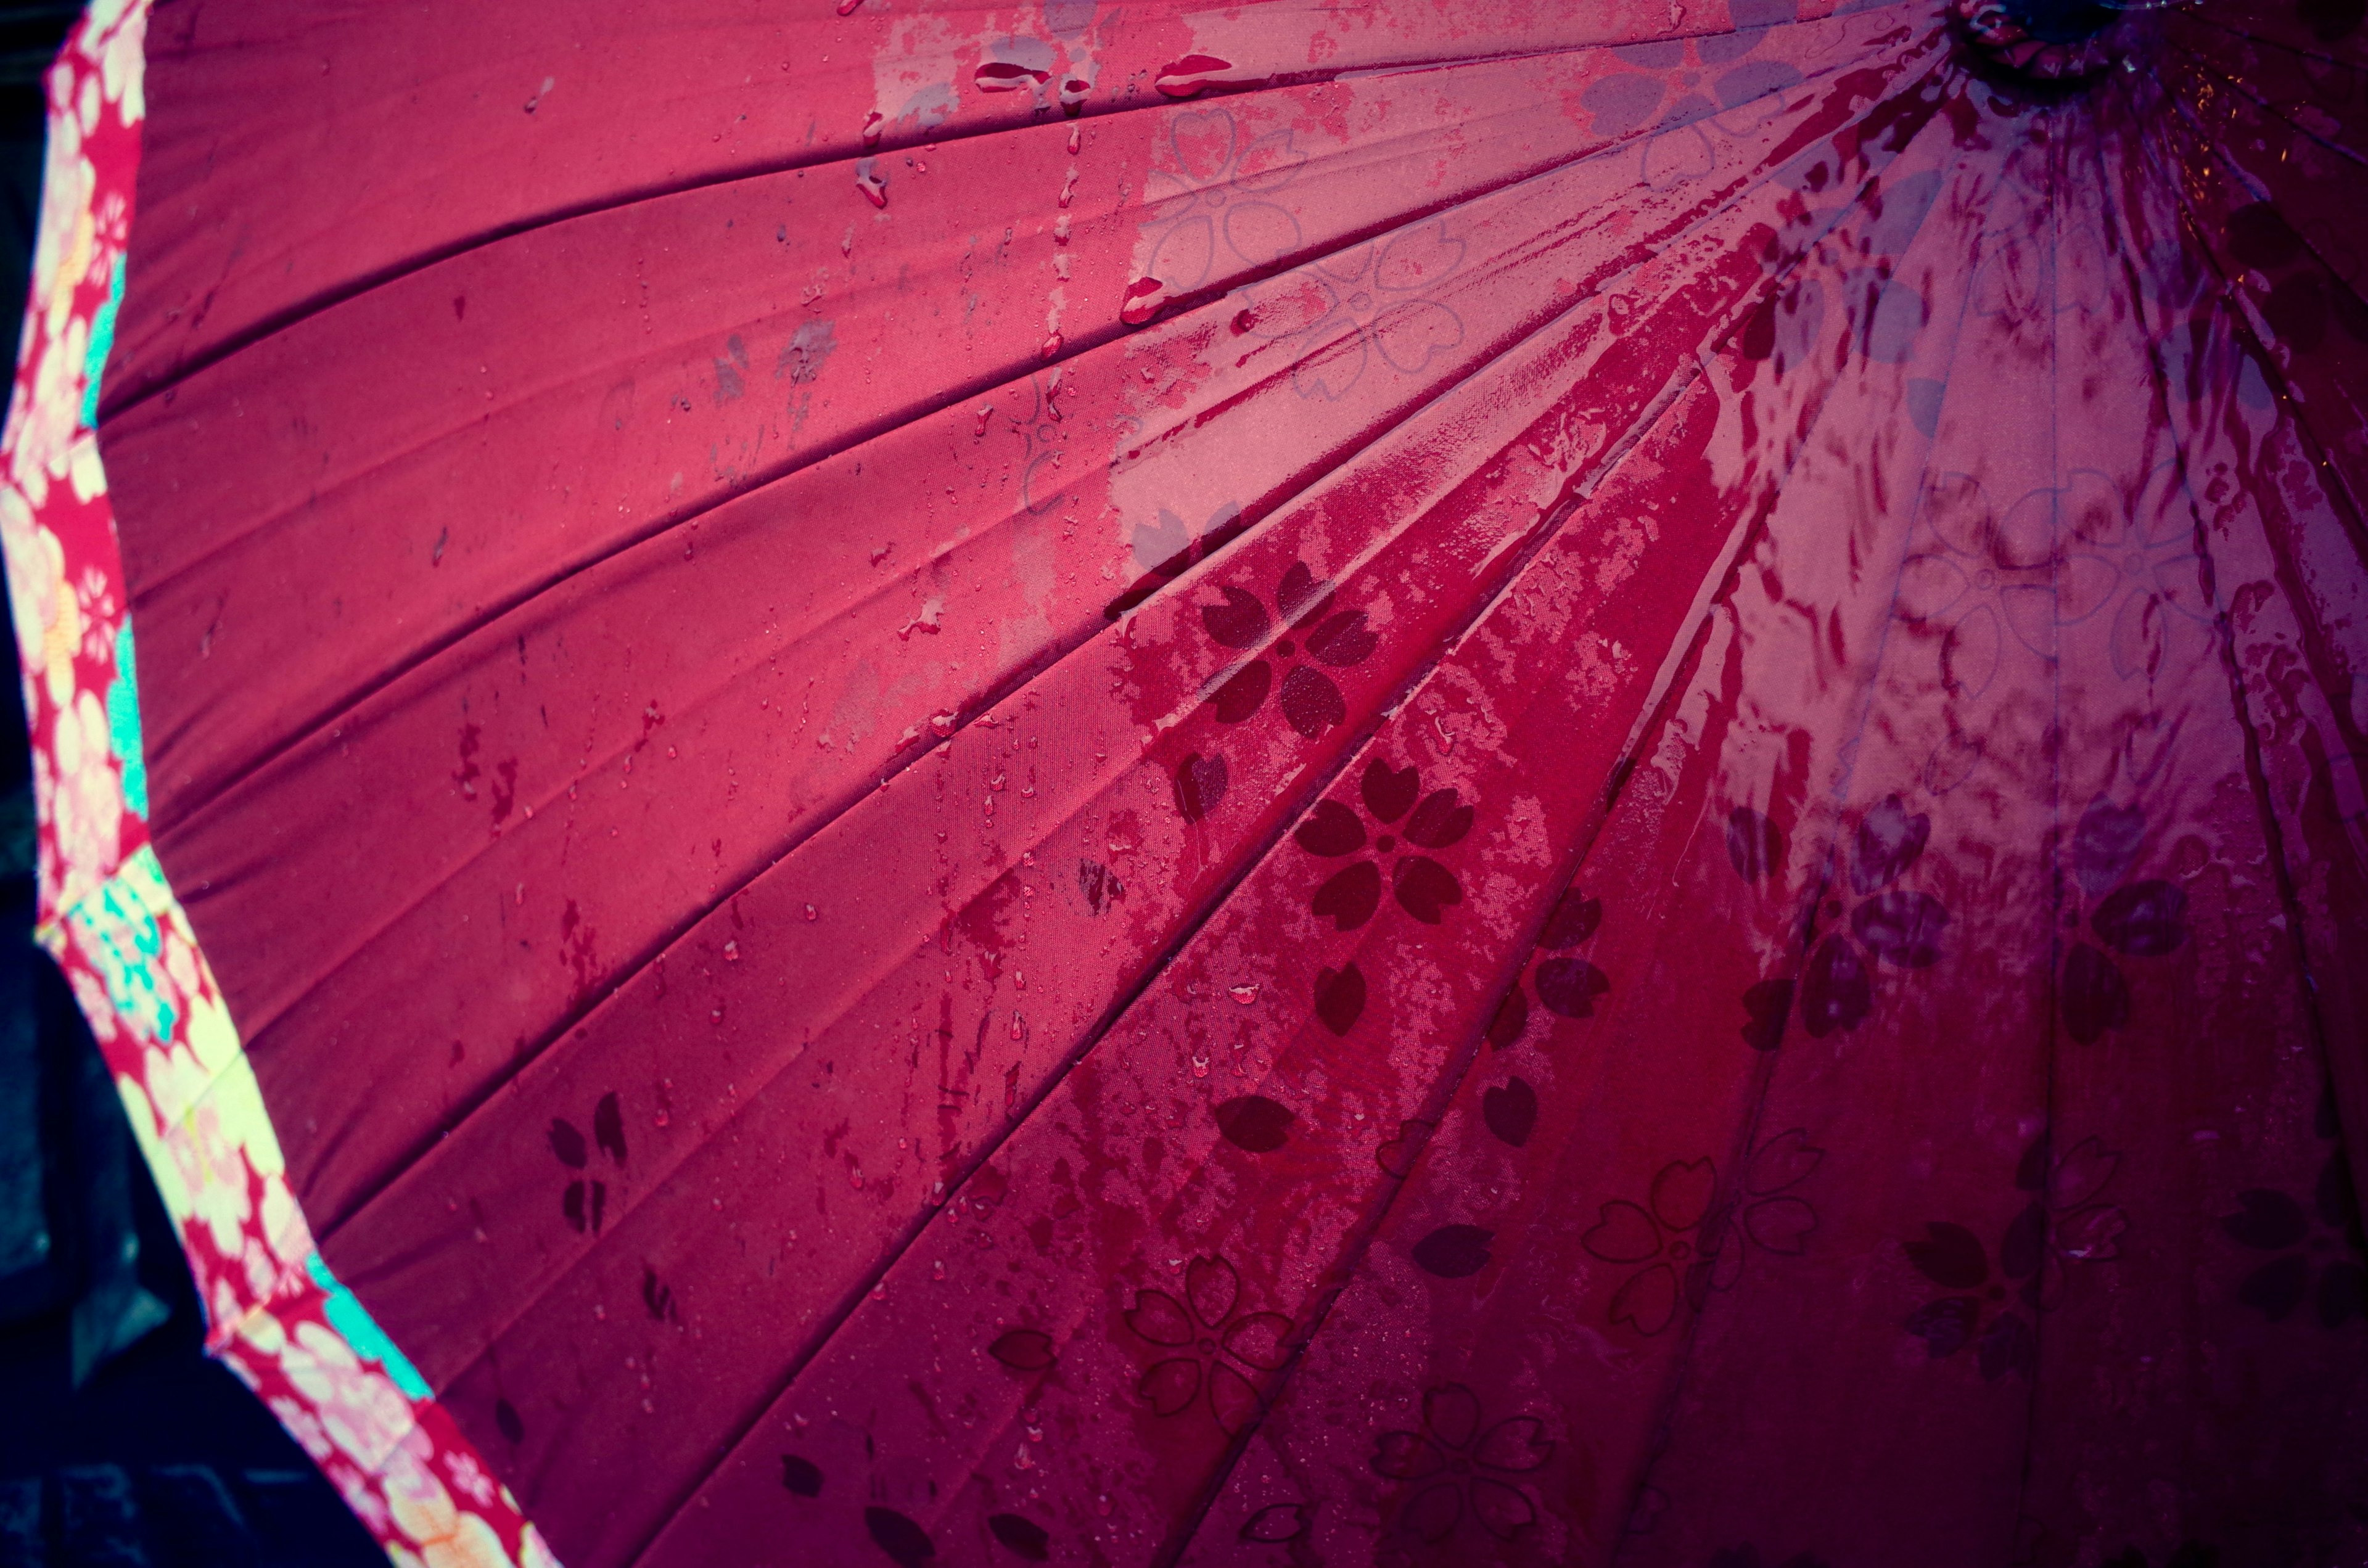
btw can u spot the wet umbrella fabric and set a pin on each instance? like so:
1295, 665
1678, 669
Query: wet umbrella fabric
1451, 787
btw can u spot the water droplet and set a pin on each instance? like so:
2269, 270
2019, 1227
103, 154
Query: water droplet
873, 185
1144, 296
873, 123
937, 1269
1019, 1029
1007, 76
1186, 77
1052, 346
1244, 995
732, 952
848, 7
1061, 229
985, 412
1077, 134
811, 913
715, 1015
1200, 1067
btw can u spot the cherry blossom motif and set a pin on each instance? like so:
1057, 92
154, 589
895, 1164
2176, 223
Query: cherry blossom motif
1211, 1338
2332, 1249
1022, 1536
1660, 1235
585, 1201
1168, 547
1340, 312
1765, 1213
2151, 547
1209, 200
1453, 1465
1688, 1240
2063, 1224
423, 1509
2137, 919
1422, 886
1310, 698
1276, 1523
365, 1417
1895, 925
1567, 985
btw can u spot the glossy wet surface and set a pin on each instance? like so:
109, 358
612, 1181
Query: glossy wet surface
1453, 789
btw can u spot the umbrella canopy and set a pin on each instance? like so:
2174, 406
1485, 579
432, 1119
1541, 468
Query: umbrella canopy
1065, 783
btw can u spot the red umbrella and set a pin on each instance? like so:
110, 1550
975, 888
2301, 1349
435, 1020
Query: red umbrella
1095, 785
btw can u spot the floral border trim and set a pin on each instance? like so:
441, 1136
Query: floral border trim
275, 1314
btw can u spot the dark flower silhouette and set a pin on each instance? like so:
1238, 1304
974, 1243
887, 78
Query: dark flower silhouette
1316, 634
584, 1202
1895, 925
2138, 919
2331, 1249
1422, 886
1568, 984
2062, 1224
1453, 1466
1211, 1338
1166, 549
1022, 1536
1341, 997
905, 1543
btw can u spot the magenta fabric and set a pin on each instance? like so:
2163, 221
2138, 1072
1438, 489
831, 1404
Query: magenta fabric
1445, 784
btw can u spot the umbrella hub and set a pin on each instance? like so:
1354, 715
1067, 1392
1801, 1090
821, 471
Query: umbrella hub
2061, 21
2047, 47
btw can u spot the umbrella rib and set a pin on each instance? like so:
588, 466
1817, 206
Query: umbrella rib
1671, 684
1665, 1420
2053, 1034
2198, 15
2354, 1136
1551, 528
2352, 512
665, 522
1187, 929
2239, 89
821, 820
328, 298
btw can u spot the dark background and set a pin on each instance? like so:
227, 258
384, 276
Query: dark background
120, 1442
